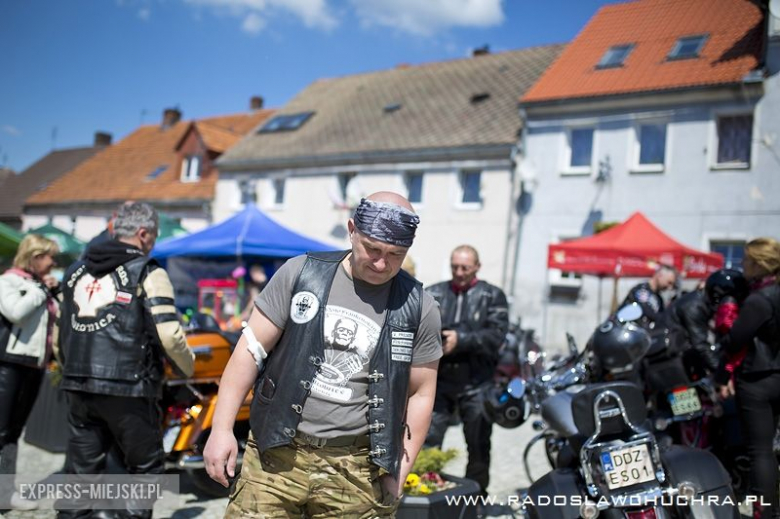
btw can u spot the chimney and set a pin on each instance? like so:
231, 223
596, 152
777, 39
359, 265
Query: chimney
102, 139
171, 116
480, 51
256, 103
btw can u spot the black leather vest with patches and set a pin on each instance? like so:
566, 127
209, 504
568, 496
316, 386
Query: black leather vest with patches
285, 384
103, 333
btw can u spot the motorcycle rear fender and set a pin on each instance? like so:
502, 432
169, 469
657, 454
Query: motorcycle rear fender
560, 483
702, 468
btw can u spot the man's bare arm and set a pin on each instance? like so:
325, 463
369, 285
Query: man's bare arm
240, 374
422, 392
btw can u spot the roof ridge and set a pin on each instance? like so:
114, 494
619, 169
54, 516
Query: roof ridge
405, 66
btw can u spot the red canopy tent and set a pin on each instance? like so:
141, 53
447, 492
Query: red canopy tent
634, 248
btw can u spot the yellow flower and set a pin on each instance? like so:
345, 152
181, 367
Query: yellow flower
424, 489
412, 480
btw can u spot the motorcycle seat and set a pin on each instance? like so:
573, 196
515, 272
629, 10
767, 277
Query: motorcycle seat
633, 403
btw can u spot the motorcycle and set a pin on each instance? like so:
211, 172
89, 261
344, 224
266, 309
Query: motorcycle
616, 468
189, 404
601, 446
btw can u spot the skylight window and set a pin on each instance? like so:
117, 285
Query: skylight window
392, 107
688, 47
286, 123
157, 172
615, 56
479, 97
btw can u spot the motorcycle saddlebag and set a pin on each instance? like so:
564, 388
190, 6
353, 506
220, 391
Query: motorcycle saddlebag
705, 471
556, 495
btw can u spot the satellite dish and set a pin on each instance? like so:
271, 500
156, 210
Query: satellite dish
774, 8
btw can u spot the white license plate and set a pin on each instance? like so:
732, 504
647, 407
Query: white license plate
684, 401
169, 438
626, 467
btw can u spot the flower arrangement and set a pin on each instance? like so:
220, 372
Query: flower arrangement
425, 478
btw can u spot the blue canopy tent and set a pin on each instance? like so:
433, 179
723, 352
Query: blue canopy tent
248, 233
247, 238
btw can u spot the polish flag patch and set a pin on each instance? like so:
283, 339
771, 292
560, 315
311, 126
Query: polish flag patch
123, 297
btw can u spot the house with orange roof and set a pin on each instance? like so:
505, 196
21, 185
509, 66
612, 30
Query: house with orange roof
169, 165
666, 107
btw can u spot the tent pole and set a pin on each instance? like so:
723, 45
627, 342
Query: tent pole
598, 303
614, 296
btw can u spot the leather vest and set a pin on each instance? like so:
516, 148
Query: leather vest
764, 354
103, 333
285, 384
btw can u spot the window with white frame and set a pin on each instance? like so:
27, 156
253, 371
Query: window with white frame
414, 186
559, 278
277, 187
471, 187
580, 153
651, 146
190, 168
733, 252
735, 136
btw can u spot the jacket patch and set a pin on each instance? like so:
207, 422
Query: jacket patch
401, 358
304, 307
402, 335
124, 297
405, 351
91, 295
402, 342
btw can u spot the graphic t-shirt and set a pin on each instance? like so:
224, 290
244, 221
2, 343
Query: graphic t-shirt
354, 315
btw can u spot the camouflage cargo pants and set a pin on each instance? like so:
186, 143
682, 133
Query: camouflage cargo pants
303, 481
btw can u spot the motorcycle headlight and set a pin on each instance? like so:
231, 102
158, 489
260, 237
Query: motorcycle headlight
589, 510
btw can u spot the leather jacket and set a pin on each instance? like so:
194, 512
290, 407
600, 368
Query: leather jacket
105, 342
285, 384
763, 355
688, 319
481, 327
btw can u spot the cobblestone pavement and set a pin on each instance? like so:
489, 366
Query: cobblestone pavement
506, 473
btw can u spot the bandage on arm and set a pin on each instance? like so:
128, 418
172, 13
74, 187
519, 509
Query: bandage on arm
254, 347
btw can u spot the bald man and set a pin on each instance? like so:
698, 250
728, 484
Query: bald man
336, 425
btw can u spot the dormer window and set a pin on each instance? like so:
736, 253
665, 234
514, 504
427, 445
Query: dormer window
615, 56
190, 168
688, 47
286, 123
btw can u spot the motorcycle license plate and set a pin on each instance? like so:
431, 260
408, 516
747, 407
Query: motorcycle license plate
169, 438
684, 401
628, 466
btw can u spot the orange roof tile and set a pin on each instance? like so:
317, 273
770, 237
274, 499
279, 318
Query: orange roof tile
121, 171
732, 49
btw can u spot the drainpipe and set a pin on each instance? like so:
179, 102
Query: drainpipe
521, 206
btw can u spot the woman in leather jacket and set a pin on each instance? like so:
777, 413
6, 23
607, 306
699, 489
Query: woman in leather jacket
28, 310
752, 347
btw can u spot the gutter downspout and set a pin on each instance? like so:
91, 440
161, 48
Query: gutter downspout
522, 208
513, 180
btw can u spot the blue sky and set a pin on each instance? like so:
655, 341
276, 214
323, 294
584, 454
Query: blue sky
73, 67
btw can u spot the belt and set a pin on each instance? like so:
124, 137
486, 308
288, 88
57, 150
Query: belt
358, 440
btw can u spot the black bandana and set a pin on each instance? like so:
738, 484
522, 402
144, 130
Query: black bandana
386, 222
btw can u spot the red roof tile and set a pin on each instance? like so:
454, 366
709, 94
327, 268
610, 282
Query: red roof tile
121, 172
732, 49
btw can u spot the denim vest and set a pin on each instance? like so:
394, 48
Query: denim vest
285, 384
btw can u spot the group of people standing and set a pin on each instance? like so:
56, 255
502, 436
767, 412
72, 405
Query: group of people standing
354, 366
729, 329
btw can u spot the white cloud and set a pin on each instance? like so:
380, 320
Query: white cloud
253, 23
12, 130
426, 17
144, 13
255, 13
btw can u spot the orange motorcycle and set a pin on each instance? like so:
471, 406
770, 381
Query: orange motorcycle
189, 404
